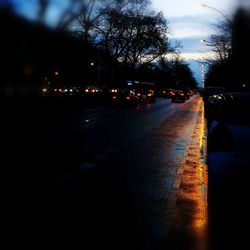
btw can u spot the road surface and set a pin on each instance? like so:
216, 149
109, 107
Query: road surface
120, 178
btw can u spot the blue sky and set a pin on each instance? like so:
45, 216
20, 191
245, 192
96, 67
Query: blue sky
189, 22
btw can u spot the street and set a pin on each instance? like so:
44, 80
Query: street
130, 174
125, 124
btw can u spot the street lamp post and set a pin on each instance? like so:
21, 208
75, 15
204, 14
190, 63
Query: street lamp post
229, 21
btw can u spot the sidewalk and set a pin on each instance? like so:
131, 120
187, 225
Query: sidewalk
188, 203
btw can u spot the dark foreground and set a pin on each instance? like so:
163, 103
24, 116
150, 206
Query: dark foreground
105, 177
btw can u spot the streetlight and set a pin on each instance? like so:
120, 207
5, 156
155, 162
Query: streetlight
220, 12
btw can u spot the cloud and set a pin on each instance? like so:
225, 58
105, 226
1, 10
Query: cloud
189, 26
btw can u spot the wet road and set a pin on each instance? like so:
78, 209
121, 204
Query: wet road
117, 173
115, 179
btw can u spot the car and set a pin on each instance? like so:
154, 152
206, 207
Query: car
124, 98
92, 90
166, 93
146, 96
230, 118
210, 91
187, 93
228, 162
178, 95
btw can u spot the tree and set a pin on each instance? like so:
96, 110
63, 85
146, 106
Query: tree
133, 34
221, 40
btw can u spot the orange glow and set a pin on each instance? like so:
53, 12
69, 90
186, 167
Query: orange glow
193, 184
149, 95
164, 92
138, 94
128, 98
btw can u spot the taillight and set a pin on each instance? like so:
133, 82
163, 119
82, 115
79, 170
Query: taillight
128, 97
114, 97
182, 94
138, 94
149, 95
164, 92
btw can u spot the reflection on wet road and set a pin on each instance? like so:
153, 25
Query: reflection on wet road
136, 174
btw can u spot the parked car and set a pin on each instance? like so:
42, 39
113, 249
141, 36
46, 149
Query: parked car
178, 95
229, 168
208, 92
229, 132
211, 107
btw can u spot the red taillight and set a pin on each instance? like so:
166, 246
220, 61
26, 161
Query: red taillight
128, 97
172, 93
114, 97
164, 92
182, 94
138, 94
149, 95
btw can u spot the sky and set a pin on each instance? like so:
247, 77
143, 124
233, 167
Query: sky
189, 22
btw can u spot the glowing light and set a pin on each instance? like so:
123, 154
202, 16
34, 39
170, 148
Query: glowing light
86, 90
55, 90
56, 73
44, 90
114, 97
128, 97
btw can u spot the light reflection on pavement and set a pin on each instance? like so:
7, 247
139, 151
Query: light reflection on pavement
144, 171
